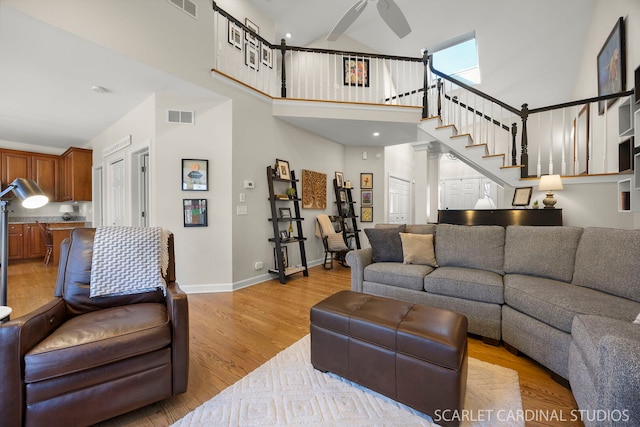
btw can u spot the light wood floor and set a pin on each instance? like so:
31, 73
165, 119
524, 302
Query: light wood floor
234, 333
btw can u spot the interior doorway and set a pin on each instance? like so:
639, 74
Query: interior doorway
140, 190
399, 205
116, 192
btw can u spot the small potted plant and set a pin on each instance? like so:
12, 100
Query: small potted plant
535, 204
291, 192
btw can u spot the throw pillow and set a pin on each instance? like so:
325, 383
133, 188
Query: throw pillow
335, 242
386, 245
418, 249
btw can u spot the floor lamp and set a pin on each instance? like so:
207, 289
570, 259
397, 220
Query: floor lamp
32, 197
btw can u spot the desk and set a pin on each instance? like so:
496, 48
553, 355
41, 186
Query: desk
502, 217
5, 312
59, 232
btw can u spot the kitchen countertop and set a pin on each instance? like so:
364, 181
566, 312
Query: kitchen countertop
44, 219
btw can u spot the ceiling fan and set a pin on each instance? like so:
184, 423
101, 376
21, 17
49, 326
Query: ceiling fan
388, 10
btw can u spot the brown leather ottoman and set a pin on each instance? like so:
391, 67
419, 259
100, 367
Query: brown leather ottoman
412, 353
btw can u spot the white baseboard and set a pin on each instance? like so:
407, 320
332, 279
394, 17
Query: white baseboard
207, 288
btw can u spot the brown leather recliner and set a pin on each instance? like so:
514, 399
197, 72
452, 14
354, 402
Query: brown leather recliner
78, 360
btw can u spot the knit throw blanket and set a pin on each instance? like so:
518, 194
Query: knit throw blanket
128, 260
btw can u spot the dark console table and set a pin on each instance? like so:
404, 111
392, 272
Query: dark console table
502, 217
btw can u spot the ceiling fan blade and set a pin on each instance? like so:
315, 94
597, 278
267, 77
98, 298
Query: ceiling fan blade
393, 16
348, 18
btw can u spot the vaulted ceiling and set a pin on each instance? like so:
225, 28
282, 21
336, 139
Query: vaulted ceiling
529, 51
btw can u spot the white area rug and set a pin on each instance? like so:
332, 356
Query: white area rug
287, 391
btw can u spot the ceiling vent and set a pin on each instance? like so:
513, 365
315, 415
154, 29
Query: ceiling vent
184, 117
187, 6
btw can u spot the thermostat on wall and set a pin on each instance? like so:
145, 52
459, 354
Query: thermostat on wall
248, 183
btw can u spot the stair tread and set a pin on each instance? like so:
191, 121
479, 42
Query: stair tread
511, 166
493, 155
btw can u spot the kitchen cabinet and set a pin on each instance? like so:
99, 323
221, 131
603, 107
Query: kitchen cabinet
16, 241
25, 241
42, 168
60, 231
75, 179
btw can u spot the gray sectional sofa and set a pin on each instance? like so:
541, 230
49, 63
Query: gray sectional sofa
565, 296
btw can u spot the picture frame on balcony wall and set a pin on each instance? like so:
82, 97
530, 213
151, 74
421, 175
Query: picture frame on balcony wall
235, 35
248, 35
356, 72
612, 65
266, 55
636, 86
251, 58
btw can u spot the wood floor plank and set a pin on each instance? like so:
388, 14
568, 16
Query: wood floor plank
234, 333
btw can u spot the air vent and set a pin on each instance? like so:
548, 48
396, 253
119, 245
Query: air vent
184, 117
187, 6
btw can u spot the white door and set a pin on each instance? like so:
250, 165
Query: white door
460, 193
140, 191
116, 192
399, 201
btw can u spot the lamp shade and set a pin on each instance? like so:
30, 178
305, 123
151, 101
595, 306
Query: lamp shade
29, 193
66, 208
550, 183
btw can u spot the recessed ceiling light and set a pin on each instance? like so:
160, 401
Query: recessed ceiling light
99, 89
288, 35
376, 134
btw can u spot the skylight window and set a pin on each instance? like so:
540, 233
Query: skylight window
458, 58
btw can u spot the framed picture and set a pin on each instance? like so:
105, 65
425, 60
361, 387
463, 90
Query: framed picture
636, 86
195, 212
235, 35
283, 169
356, 72
251, 56
253, 27
612, 65
284, 234
522, 196
366, 214
366, 197
266, 54
283, 254
195, 175
285, 212
366, 181
343, 196
339, 179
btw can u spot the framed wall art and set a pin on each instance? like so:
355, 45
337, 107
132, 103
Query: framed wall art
366, 197
612, 65
285, 212
194, 212
339, 179
251, 57
366, 181
195, 175
356, 72
366, 214
522, 196
314, 190
235, 35
253, 27
283, 254
266, 54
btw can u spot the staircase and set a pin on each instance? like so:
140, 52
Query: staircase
445, 138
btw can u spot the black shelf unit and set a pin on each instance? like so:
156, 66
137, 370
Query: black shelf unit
347, 218
274, 181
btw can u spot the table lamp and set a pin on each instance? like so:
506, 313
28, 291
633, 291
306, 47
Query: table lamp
550, 183
32, 197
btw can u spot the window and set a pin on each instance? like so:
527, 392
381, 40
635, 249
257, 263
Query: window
458, 57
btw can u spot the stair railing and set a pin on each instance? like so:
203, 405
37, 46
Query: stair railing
571, 139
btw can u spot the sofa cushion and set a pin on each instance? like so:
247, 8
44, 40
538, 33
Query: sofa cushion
479, 246
80, 343
556, 303
466, 283
541, 251
385, 243
409, 276
607, 259
588, 331
418, 249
